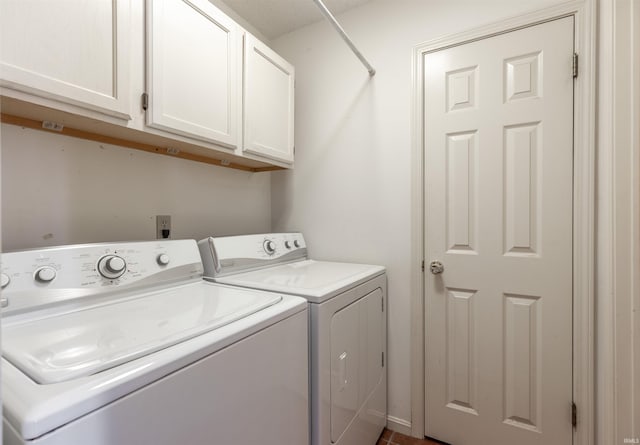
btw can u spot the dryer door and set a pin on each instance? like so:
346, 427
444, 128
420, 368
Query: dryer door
356, 359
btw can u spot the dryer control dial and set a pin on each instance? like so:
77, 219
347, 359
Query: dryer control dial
269, 247
163, 259
112, 266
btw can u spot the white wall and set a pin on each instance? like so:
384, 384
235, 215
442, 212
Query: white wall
350, 190
61, 190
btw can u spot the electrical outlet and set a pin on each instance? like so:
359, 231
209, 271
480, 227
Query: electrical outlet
163, 226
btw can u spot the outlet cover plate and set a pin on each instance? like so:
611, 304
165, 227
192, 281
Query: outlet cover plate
163, 222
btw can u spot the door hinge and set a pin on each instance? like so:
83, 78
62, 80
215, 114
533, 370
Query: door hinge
383, 359
575, 65
145, 101
423, 265
574, 414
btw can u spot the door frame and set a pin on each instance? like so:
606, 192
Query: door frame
584, 161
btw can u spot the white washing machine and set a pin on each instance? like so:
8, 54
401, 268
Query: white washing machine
125, 343
347, 326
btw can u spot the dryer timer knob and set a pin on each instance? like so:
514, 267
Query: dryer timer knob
269, 247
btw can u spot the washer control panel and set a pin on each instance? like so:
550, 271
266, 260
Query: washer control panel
231, 254
41, 276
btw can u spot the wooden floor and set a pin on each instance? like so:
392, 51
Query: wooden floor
392, 438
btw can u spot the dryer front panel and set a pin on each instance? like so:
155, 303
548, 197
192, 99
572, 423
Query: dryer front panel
357, 362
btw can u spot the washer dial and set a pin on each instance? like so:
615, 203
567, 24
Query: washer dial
5, 280
112, 266
45, 274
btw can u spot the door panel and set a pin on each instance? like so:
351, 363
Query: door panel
269, 102
192, 68
357, 343
462, 374
461, 206
498, 214
75, 52
345, 372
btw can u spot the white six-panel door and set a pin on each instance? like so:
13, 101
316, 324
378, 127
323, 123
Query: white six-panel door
498, 216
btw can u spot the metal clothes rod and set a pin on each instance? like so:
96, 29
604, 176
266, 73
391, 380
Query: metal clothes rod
344, 36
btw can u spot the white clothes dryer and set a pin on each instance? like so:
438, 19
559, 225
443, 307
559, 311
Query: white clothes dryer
347, 309
125, 343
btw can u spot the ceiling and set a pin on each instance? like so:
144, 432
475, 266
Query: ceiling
274, 18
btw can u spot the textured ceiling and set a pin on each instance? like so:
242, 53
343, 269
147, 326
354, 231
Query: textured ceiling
274, 18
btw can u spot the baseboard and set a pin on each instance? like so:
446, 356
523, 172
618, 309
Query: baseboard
399, 425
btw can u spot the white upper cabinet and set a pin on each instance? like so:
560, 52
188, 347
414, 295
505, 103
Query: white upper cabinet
268, 102
174, 74
193, 76
75, 52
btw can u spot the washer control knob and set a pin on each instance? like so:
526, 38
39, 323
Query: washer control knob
269, 247
287, 244
112, 266
45, 274
296, 243
163, 259
4, 280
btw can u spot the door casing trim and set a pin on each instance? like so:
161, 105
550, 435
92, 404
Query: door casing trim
584, 162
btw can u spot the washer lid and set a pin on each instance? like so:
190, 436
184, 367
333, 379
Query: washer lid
67, 346
316, 281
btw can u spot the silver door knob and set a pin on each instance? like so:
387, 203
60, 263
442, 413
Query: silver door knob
436, 267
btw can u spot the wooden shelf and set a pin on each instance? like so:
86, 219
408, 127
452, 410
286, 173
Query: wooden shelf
16, 112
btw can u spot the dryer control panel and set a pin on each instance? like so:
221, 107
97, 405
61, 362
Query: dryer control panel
232, 254
39, 277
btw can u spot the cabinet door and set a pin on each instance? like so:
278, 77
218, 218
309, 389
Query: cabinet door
75, 51
269, 95
192, 72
